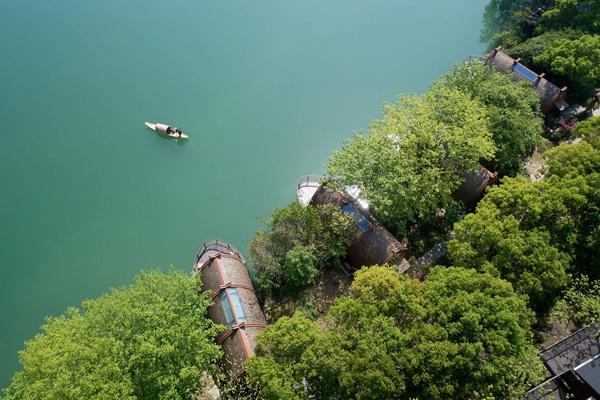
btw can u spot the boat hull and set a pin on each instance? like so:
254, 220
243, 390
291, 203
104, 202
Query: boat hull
161, 129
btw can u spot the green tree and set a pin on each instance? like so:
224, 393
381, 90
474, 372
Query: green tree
299, 266
151, 340
494, 243
577, 60
277, 370
590, 131
522, 226
579, 14
409, 164
500, 17
533, 47
572, 160
295, 243
394, 337
513, 111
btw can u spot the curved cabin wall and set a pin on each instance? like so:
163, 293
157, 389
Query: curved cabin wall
373, 243
224, 274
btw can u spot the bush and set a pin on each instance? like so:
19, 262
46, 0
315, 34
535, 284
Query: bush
299, 267
583, 298
296, 243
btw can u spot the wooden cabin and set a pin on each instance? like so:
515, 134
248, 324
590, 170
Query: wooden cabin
235, 305
548, 92
373, 244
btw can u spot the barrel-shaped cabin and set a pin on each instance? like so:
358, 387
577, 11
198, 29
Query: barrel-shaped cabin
373, 244
473, 186
235, 305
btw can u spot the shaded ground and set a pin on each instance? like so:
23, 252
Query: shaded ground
534, 166
558, 326
315, 300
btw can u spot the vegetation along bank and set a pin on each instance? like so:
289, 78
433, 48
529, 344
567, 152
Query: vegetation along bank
449, 244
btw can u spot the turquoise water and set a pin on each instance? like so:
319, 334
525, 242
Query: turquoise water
265, 89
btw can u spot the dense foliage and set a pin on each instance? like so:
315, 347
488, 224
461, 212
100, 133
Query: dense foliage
151, 340
590, 131
500, 18
409, 163
296, 242
578, 14
492, 242
513, 111
393, 337
529, 50
575, 60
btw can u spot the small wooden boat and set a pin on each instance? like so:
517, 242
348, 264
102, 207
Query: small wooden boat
167, 130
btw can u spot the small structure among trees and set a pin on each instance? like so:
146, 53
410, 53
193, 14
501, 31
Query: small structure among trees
373, 244
548, 92
473, 187
235, 304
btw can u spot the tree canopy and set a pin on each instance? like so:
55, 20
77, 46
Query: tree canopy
533, 234
151, 340
409, 163
296, 242
579, 14
528, 50
590, 131
491, 242
577, 60
502, 15
513, 111
394, 337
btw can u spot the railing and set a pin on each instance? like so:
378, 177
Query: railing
309, 181
473, 58
215, 246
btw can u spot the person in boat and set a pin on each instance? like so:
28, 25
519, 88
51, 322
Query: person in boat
174, 131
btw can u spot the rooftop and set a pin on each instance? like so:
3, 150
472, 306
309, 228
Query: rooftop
548, 92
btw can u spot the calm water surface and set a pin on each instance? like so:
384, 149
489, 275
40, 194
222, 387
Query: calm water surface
266, 89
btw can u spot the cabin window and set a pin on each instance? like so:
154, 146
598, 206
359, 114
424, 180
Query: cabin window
237, 305
227, 307
359, 220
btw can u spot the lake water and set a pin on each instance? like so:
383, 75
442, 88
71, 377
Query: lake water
266, 89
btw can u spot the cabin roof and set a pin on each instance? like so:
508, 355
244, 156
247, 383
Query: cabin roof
373, 244
572, 351
546, 90
574, 363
